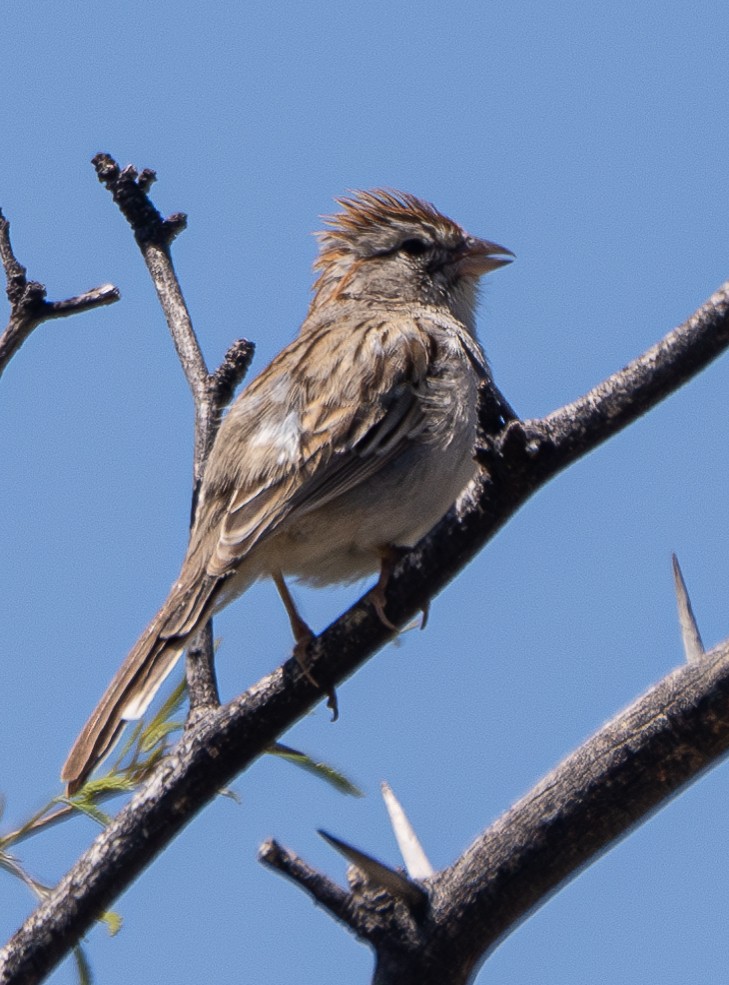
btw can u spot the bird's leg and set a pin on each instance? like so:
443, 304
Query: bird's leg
389, 556
302, 634
302, 637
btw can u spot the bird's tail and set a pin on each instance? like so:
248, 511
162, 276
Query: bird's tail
138, 679
127, 697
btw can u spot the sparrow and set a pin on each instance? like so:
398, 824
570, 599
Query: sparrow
352, 444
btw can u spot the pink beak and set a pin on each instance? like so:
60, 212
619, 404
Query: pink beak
481, 257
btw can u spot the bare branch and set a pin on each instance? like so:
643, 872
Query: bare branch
202, 685
322, 890
231, 372
210, 392
642, 758
29, 307
613, 781
154, 236
616, 779
643, 383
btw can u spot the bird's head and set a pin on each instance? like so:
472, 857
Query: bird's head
393, 247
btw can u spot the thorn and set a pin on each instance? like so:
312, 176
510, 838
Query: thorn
380, 874
415, 859
693, 648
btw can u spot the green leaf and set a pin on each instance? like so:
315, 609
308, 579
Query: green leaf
156, 734
172, 704
323, 771
83, 967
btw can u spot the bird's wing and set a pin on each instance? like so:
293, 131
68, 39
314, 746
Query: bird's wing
352, 402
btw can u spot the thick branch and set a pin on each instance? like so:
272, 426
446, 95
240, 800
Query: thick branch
635, 763
616, 779
630, 767
643, 383
28, 304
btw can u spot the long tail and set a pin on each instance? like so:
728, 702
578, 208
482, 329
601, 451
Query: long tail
138, 679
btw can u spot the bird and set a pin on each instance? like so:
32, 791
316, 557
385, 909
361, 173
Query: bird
347, 448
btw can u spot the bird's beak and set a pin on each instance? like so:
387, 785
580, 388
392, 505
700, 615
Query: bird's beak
480, 257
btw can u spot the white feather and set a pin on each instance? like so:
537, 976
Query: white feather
284, 435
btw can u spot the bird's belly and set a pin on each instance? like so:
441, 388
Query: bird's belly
343, 540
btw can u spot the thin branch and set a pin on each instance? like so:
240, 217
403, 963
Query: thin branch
38, 823
645, 382
322, 890
154, 236
202, 683
371, 912
28, 305
210, 392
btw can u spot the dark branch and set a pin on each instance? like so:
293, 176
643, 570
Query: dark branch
129, 190
682, 724
615, 780
643, 383
202, 684
231, 372
28, 304
321, 889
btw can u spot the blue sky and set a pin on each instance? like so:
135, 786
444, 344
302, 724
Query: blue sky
590, 139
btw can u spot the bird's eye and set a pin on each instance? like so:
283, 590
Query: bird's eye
414, 247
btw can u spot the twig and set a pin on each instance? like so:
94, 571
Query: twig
154, 236
210, 392
322, 890
230, 373
38, 823
200, 673
28, 304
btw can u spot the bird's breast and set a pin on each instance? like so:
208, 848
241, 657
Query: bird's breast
397, 505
